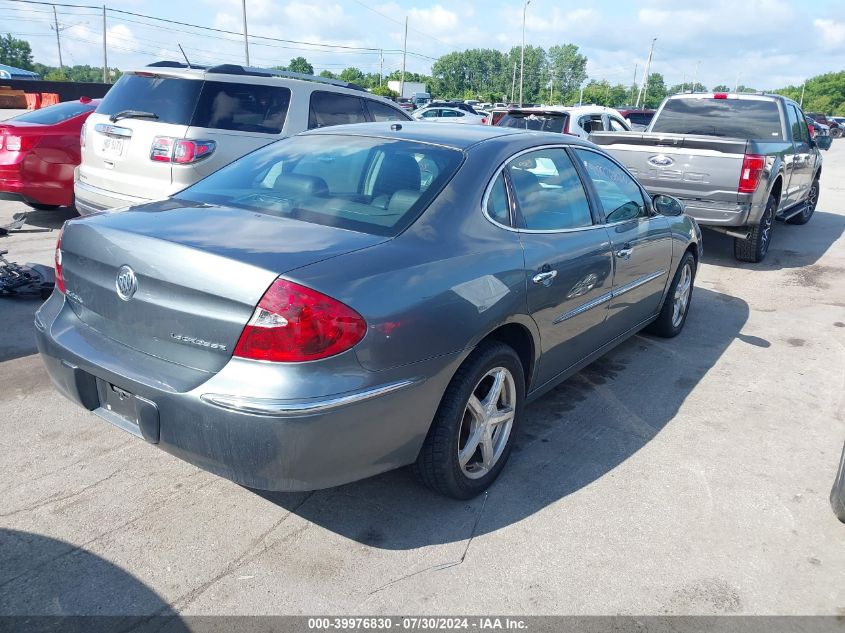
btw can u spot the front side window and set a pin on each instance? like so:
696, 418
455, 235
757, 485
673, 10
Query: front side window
800, 132
548, 191
431, 114
331, 108
372, 185
242, 107
620, 195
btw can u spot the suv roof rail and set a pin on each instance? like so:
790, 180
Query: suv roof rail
171, 64
236, 69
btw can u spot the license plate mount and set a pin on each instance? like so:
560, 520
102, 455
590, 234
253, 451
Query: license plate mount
128, 411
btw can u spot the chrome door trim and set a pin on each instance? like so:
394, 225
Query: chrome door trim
636, 283
593, 303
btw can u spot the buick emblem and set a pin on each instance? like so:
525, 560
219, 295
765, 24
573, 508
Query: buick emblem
126, 283
660, 160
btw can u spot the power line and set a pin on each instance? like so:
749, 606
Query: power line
401, 23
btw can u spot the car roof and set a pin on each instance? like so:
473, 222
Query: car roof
455, 135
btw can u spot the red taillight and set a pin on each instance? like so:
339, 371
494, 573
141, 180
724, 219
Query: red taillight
293, 323
171, 150
566, 124
484, 121
812, 131
60, 277
720, 95
752, 169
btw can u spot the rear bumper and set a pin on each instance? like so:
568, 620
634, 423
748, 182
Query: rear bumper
721, 213
16, 185
91, 199
270, 444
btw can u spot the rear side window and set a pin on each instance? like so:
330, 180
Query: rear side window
171, 100
331, 108
754, 119
535, 122
384, 112
55, 114
242, 107
371, 185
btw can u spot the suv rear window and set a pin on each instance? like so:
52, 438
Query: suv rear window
754, 119
55, 114
370, 185
171, 100
536, 121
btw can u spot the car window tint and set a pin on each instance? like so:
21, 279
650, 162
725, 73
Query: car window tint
171, 100
242, 107
539, 122
431, 114
384, 112
371, 185
616, 125
621, 197
497, 201
330, 108
549, 191
800, 133
756, 119
55, 114
640, 118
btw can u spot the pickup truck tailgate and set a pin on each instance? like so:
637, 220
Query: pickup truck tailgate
687, 167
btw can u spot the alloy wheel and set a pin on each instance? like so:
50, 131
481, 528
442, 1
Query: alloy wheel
682, 295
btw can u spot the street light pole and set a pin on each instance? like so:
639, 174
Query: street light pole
522, 52
246, 37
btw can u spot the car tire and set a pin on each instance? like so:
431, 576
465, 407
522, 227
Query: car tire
810, 208
754, 248
673, 312
458, 459
836, 132
42, 207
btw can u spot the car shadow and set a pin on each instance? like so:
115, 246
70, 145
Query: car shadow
569, 438
45, 580
54, 219
16, 319
793, 246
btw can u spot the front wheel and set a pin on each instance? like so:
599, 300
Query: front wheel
756, 245
809, 207
470, 437
673, 314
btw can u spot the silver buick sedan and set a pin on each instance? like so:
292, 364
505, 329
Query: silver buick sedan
360, 298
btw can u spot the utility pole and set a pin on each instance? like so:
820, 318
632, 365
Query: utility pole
644, 86
404, 56
105, 51
695, 79
736, 83
581, 96
246, 36
684, 83
522, 52
634, 85
804, 85
58, 41
513, 83
380, 66
551, 88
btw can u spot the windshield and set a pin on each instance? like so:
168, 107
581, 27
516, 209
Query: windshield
538, 122
55, 114
754, 119
371, 185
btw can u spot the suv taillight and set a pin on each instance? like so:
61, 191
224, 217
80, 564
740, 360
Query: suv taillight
82, 135
60, 277
293, 323
752, 169
812, 131
166, 149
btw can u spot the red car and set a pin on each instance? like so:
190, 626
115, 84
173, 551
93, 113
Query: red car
38, 152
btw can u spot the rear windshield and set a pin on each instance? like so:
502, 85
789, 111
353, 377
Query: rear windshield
371, 185
640, 118
538, 122
55, 114
753, 119
210, 104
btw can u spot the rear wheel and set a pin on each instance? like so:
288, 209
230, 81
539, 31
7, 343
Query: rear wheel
470, 437
809, 208
755, 247
42, 207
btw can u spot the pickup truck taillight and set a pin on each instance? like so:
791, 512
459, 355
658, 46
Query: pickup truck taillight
752, 169
166, 149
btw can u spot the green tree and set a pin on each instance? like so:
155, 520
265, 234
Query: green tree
569, 69
328, 74
721, 88
384, 91
697, 87
351, 74
300, 65
655, 91
15, 52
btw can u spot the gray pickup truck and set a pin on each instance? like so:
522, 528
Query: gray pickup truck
738, 162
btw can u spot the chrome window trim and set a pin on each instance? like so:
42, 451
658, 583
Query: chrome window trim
514, 229
594, 303
288, 408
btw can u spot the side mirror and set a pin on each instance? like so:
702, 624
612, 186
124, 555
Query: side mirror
824, 142
667, 205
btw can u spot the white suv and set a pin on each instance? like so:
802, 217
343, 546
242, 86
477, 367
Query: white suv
577, 120
166, 126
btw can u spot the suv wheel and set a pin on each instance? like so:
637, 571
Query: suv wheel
809, 208
755, 247
471, 436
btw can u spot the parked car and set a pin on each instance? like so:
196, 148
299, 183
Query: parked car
406, 104
637, 118
837, 493
737, 161
448, 115
840, 120
166, 126
816, 128
834, 130
460, 105
496, 114
578, 121
39, 151
352, 300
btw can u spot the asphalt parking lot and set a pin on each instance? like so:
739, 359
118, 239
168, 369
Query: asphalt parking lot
683, 476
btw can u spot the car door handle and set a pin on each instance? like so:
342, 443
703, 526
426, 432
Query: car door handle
625, 252
544, 278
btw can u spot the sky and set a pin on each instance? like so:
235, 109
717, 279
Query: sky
763, 44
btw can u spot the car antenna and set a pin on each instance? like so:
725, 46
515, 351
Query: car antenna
183, 55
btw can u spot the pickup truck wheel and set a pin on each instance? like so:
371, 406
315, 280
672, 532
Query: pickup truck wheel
754, 248
673, 314
470, 438
810, 208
